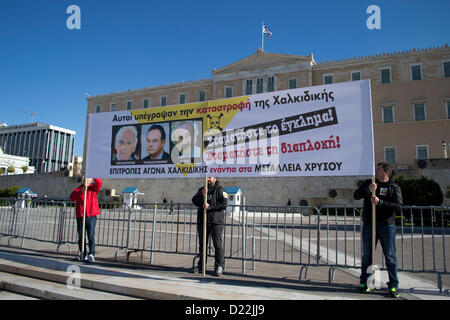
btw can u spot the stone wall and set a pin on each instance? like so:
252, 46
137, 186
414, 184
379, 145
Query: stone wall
257, 191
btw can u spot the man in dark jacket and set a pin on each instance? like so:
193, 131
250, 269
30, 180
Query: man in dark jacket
387, 201
215, 213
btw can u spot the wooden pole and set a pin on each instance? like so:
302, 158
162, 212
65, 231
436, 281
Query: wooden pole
84, 219
205, 201
374, 230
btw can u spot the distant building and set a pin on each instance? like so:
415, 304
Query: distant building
48, 147
410, 93
16, 162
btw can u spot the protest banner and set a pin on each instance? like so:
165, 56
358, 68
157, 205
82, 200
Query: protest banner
314, 131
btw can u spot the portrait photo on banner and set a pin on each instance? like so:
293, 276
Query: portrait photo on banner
125, 144
155, 144
186, 141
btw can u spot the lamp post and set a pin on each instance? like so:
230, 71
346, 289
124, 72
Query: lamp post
444, 148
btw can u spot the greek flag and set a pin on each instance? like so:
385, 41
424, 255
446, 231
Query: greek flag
267, 32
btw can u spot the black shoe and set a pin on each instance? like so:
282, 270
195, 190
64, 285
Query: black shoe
78, 258
393, 292
363, 288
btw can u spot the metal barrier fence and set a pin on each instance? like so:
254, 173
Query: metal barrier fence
305, 236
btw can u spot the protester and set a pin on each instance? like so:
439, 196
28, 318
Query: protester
92, 211
388, 201
215, 211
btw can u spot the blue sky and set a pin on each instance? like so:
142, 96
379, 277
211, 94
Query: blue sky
47, 68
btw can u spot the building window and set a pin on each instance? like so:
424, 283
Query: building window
327, 78
388, 114
416, 72
419, 112
249, 87
356, 75
113, 107
228, 92
182, 98
446, 67
447, 104
129, 102
385, 75
259, 85
292, 83
202, 95
145, 103
163, 101
389, 154
98, 108
422, 152
270, 84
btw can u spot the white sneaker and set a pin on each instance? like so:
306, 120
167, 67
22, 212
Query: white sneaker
90, 258
219, 271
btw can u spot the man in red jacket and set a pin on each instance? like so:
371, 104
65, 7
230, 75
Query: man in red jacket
92, 211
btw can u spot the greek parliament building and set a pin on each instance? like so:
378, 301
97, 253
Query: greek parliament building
48, 147
410, 94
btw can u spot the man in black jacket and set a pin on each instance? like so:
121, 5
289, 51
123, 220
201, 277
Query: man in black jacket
215, 213
387, 201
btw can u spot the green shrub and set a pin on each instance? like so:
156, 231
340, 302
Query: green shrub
9, 192
420, 192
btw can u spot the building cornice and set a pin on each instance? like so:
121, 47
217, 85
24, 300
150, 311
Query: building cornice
33, 127
155, 89
380, 57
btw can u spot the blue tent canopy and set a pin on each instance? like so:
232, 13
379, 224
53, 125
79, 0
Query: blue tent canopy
132, 190
232, 190
26, 191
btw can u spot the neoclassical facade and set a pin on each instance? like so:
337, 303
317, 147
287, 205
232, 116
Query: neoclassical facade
410, 94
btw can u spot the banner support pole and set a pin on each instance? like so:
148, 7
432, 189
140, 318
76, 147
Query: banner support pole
84, 219
205, 201
373, 234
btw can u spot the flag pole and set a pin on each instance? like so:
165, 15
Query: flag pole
205, 201
262, 34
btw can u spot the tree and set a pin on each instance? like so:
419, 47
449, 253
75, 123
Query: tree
24, 169
2, 171
11, 169
420, 192
9, 192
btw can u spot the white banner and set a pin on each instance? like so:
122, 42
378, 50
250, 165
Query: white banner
315, 131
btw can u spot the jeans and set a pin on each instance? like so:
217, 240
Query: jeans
214, 231
386, 235
90, 232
